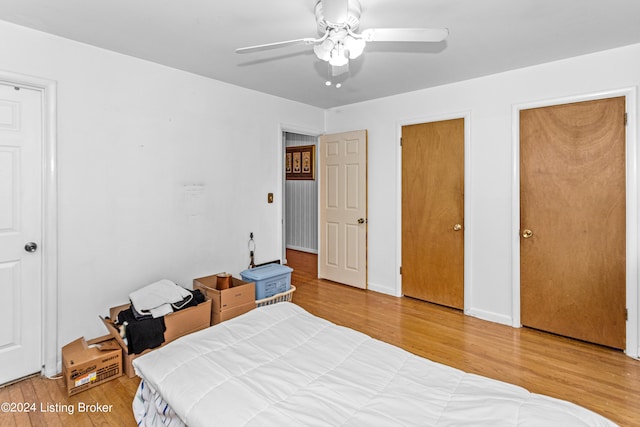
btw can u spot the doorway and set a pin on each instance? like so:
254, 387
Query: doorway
49, 285
573, 220
299, 202
20, 231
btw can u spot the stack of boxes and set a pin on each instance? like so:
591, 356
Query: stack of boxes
242, 295
87, 364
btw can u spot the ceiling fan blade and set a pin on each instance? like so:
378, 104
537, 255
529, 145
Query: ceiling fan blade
405, 34
277, 45
335, 11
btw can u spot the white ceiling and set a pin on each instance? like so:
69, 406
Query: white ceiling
201, 36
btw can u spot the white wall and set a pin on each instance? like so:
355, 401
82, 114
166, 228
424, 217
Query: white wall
489, 102
161, 173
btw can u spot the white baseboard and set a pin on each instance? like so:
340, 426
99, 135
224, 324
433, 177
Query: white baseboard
381, 289
490, 316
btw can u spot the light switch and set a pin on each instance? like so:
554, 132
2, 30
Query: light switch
270, 198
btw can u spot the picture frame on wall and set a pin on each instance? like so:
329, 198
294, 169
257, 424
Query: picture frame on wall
288, 163
300, 162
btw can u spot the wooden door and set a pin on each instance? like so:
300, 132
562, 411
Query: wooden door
342, 255
433, 212
20, 224
572, 213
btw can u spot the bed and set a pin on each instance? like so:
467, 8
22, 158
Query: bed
279, 365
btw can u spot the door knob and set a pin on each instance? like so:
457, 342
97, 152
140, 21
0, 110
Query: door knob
527, 233
457, 227
31, 247
361, 220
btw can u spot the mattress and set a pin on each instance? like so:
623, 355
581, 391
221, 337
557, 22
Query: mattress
279, 365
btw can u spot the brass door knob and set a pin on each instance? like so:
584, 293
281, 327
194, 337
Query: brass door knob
527, 233
457, 227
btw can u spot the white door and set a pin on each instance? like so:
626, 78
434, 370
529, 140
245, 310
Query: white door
20, 232
343, 208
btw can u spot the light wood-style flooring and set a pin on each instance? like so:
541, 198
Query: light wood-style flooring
596, 377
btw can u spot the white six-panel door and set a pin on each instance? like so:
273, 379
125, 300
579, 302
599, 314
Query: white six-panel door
20, 232
343, 208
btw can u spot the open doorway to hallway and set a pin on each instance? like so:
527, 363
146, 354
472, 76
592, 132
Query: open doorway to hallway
300, 202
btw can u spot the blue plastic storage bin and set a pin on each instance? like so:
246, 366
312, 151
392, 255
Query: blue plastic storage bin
270, 279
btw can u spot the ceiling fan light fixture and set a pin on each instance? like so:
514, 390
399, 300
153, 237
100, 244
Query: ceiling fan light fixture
323, 50
339, 41
354, 45
338, 56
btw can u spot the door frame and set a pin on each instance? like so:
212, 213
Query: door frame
468, 226
51, 364
632, 302
283, 179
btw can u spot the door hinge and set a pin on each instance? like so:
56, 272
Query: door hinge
400, 141
626, 314
401, 270
625, 119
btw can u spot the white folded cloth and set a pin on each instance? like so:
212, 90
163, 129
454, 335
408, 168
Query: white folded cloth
157, 297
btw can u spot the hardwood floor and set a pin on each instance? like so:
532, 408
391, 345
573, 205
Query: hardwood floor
46, 403
595, 377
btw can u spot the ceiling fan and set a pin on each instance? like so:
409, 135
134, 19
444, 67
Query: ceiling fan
337, 22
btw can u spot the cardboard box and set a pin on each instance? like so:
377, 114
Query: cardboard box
227, 303
221, 316
177, 324
89, 364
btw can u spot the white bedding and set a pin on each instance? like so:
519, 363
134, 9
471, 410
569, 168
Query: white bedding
278, 365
